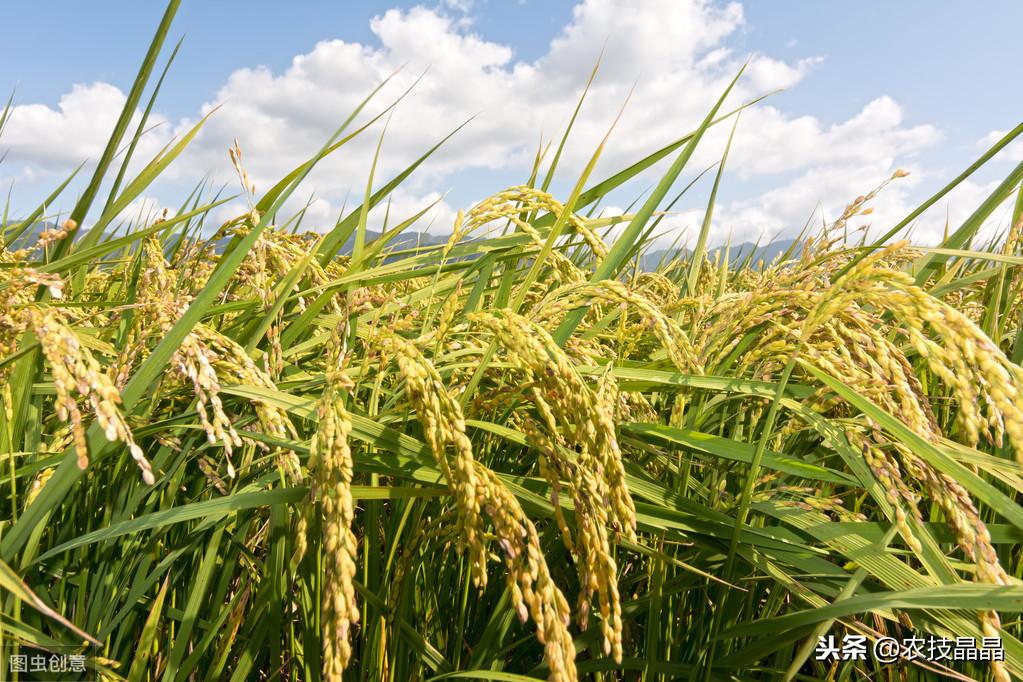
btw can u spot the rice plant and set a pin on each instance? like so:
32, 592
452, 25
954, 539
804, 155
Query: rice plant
240, 452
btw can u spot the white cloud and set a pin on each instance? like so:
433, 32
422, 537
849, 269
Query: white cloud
76, 130
675, 53
769, 141
1013, 152
782, 211
459, 5
44, 140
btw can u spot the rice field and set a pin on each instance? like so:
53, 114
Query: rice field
258, 450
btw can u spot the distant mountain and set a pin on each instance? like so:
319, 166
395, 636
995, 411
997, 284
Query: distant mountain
737, 253
31, 234
406, 240
768, 252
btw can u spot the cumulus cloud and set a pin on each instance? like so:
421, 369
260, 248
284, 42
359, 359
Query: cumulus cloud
783, 210
76, 130
674, 55
459, 5
1014, 152
42, 139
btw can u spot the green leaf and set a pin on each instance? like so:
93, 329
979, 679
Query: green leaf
211, 509
736, 451
144, 650
696, 259
15, 586
81, 209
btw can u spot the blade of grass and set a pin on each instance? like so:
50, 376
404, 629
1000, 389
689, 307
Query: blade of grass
696, 259
619, 251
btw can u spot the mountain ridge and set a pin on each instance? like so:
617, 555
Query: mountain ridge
408, 240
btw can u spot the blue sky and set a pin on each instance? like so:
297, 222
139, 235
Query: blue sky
870, 86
